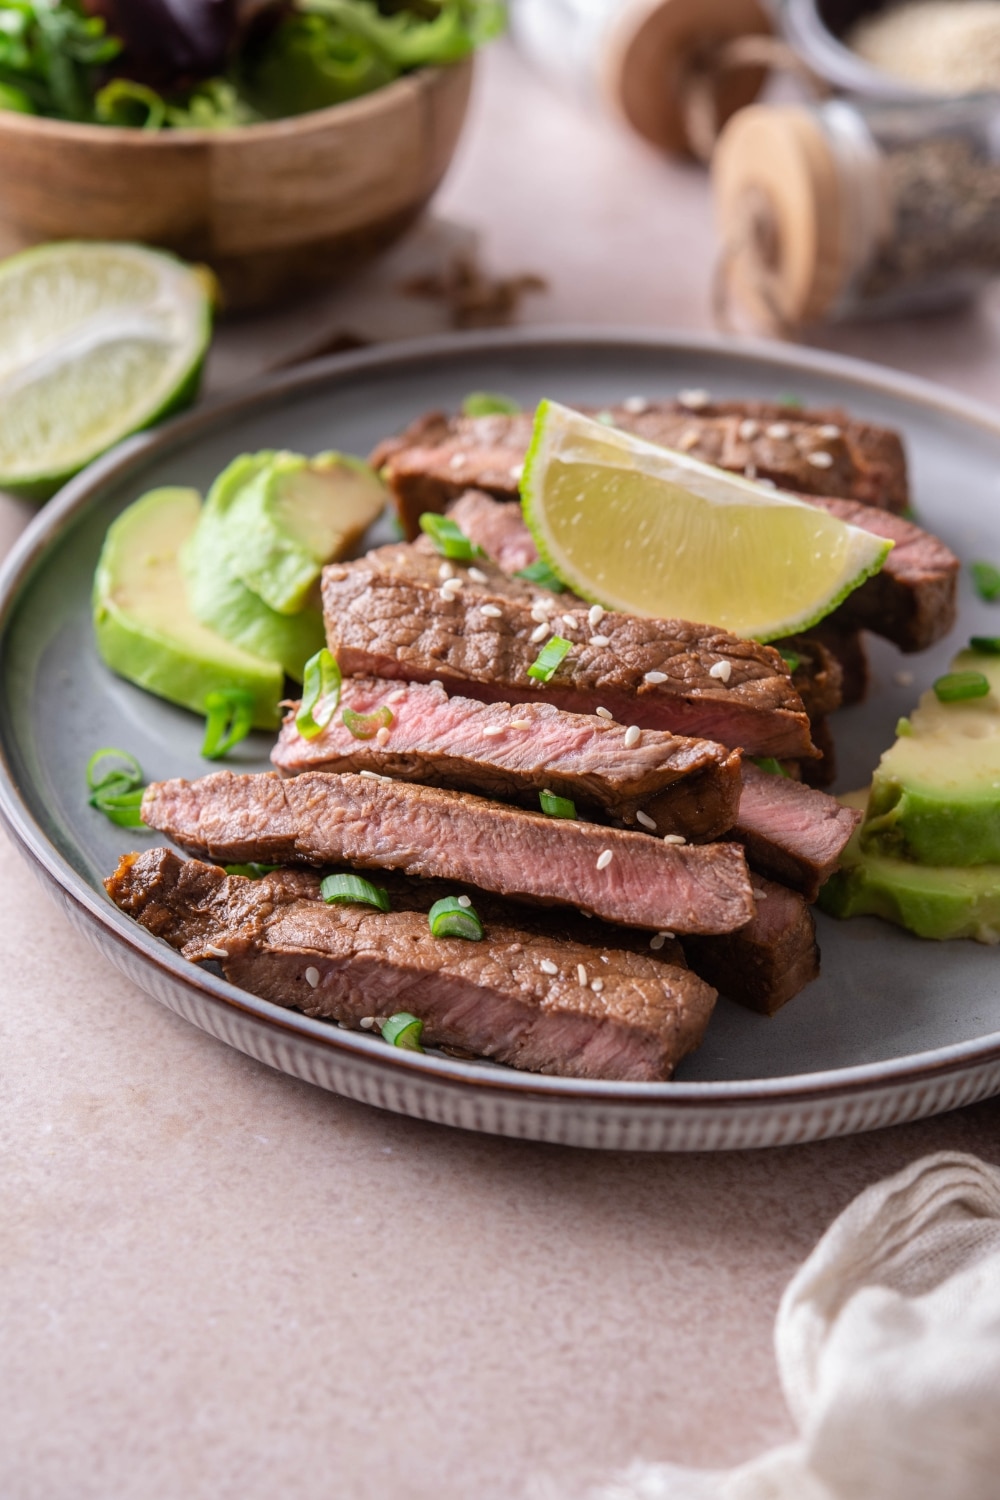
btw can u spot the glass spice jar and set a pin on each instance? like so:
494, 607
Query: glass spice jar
847, 209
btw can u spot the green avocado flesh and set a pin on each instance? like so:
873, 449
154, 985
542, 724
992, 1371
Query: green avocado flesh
935, 796
144, 630
944, 902
287, 515
221, 600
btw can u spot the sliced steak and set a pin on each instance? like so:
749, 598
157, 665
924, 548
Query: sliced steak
768, 962
320, 819
817, 452
845, 647
790, 831
684, 786
388, 615
517, 997
498, 527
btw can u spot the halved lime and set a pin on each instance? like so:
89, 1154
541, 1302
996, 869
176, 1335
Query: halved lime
650, 531
96, 341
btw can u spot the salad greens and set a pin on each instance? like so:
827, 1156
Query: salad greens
180, 64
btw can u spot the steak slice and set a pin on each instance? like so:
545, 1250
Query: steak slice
631, 1019
387, 615
684, 786
791, 831
911, 601
438, 456
845, 647
320, 819
768, 962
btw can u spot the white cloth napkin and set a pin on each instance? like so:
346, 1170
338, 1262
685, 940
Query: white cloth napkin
888, 1344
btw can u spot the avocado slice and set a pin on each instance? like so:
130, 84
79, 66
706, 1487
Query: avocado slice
943, 902
935, 796
146, 633
287, 515
221, 600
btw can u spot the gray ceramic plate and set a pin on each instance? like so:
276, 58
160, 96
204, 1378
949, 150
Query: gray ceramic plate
894, 1029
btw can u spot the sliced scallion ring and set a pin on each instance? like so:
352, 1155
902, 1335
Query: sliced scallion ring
539, 572
448, 537
118, 793
229, 720
123, 808
955, 687
320, 694
404, 1030
367, 726
129, 768
252, 871
488, 404
550, 658
986, 581
769, 764
792, 660
354, 890
986, 645
449, 918
557, 807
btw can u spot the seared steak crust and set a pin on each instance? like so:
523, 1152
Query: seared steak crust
631, 1018
320, 819
790, 831
387, 616
767, 963
438, 456
685, 786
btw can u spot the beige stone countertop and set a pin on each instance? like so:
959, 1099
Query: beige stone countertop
219, 1282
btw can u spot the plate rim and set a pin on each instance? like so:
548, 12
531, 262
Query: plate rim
818, 1087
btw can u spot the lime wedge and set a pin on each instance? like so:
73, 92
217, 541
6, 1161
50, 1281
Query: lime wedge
96, 342
649, 531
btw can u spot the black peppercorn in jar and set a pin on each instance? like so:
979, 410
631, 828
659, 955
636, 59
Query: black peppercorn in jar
845, 209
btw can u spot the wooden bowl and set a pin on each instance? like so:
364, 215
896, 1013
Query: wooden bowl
269, 207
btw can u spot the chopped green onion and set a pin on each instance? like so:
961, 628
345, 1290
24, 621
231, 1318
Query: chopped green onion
988, 645
769, 764
367, 726
320, 694
606, 418
252, 871
986, 581
118, 793
557, 807
904, 729
229, 720
955, 687
404, 1030
539, 572
789, 398
792, 660
550, 659
354, 890
448, 537
489, 404
450, 918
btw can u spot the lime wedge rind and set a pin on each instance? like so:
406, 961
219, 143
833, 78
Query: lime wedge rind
562, 433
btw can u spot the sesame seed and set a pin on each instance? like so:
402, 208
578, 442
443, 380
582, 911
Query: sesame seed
768, 484
633, 735
750, 471
605, 858
645, 820
382, 738
367, 1022
674, 838
657, 942
655, 677
370, 775
520, 723
581, 973
604, 713
540, 632
723, 670
394, 697
312, 977
759, 895
491, 611
540, 614
457, 461
492, 730
779, 431
829, 430
548, 967
516, 470
570, 621
600, 640
435, 682
446, 570
216, 952
594, 615
665, 934
694, 400
597, 985
635, 405
465, 900
903, 679
448, 592
477, 575
820, 460
748, 429
688, 440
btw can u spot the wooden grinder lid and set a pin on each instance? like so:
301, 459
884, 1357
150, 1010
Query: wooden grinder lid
654, 46
779, 213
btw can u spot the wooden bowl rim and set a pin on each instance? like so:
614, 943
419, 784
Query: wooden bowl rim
379, 102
